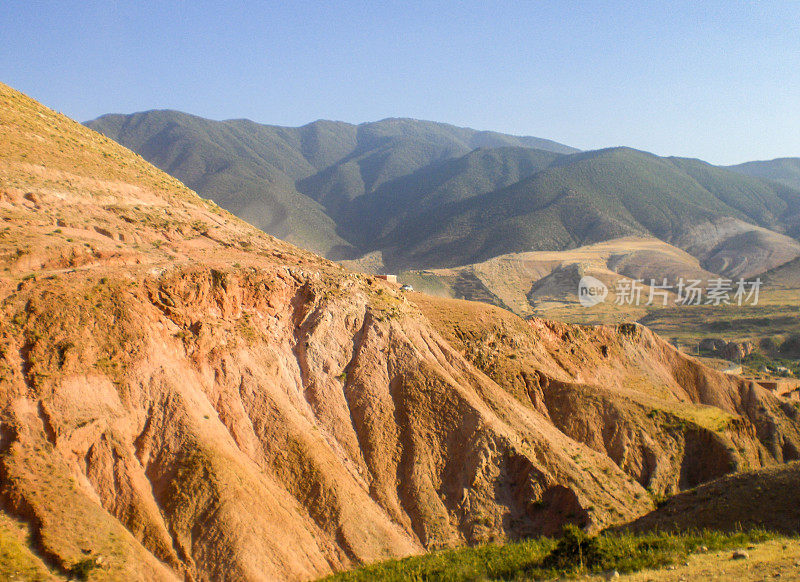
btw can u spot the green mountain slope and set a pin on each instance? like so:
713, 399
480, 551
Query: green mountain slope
595, 196
294, 181
420, 194
478, 172
784, 170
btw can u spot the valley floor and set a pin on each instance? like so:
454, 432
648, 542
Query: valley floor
771, 560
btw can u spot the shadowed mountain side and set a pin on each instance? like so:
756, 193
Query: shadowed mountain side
294, 182
786, 276
768, 499
784, 170
410, 197
590, 197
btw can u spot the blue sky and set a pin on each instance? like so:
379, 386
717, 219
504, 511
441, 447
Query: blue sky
719, 80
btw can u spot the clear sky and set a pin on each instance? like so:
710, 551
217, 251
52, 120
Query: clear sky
719, 80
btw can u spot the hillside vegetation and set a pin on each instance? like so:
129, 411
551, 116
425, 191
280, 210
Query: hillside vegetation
785, 170
596, 196
744, 510
575, 555
295, 182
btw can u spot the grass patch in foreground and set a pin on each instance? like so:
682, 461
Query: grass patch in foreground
542, 558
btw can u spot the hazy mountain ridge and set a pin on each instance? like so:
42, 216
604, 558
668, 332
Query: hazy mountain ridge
785, 170
290, 181
595, 196
426, 194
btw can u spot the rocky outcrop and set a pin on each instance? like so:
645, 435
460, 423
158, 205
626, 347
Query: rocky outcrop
719, 348
664, 418
273, 426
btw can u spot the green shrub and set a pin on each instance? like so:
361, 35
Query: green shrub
80, 570
576, 551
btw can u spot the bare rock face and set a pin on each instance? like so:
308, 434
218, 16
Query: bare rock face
253, 425
184, 397
712, 345
737, 350
279, 424
727, 350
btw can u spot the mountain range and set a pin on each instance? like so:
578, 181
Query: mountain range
785, 170
407, 194
297, 183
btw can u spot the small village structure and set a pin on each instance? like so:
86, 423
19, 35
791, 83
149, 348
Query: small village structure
784, 388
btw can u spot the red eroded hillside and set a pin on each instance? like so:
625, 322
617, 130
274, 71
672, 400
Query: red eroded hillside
185, 397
